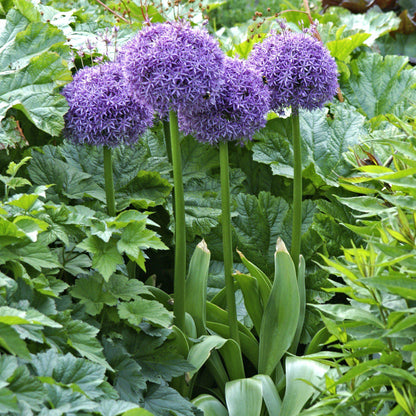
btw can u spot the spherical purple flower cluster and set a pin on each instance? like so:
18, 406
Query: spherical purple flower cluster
172, 65
238, 112
101, 112
298, 69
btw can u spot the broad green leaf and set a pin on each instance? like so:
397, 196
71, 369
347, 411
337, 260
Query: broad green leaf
196, 286
12, 316
252, 298
270, 395
38, 256
132, 412
342, 48
150, 310
105, 256
380, 85
8, 401
31, 90
91, 293
147, 189
281, 313
258, 225
324, 140
82, 337
10, 136
117, 407
341, 312
400, 44
396, 284
374, 22
47, 168
301, 376
69, 370
135, 238
35, 40
210, 405
163, 400
201, 351
244, 397
10, 341
28, 390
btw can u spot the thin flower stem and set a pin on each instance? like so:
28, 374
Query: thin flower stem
227, 241
297, 191
108, 180
180, 230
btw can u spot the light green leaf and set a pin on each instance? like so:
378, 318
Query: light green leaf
150, 310
374, 22
281, 314
105, 256
323, 143
196, 286
270, 395
132, 412
380, 85
244, 397
82, 337
210, 405
147, 189
394, 283
301, 376
10, 341
90, 292
341, 49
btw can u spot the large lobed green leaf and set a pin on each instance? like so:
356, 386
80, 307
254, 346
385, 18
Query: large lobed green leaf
34, 63
325, 137
379, 86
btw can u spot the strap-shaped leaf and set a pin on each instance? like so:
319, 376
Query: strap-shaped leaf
281, 314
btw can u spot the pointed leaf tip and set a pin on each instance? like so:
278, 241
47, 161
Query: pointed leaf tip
280, 245
203, 246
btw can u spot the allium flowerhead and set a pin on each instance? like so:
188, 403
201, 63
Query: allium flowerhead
298, 69
101, 112
238, 112
171, 65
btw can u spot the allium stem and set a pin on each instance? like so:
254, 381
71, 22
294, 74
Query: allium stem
108, 180
227, 241
180, 230
297, 190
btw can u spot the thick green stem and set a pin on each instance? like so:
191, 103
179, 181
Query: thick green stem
180, 230
108, 180
297, 191
227, 241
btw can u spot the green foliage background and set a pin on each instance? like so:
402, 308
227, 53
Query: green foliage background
80, 333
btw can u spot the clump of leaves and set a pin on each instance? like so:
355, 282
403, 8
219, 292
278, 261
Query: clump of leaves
77, 334
374, 370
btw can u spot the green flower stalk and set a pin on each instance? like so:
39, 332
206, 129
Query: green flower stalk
227, 241
239, 111
301, 74
108, 181
180, 227
297, 192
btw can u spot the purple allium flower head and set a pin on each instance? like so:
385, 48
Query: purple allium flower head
298, 69
101, 112
238, 112
171, 65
